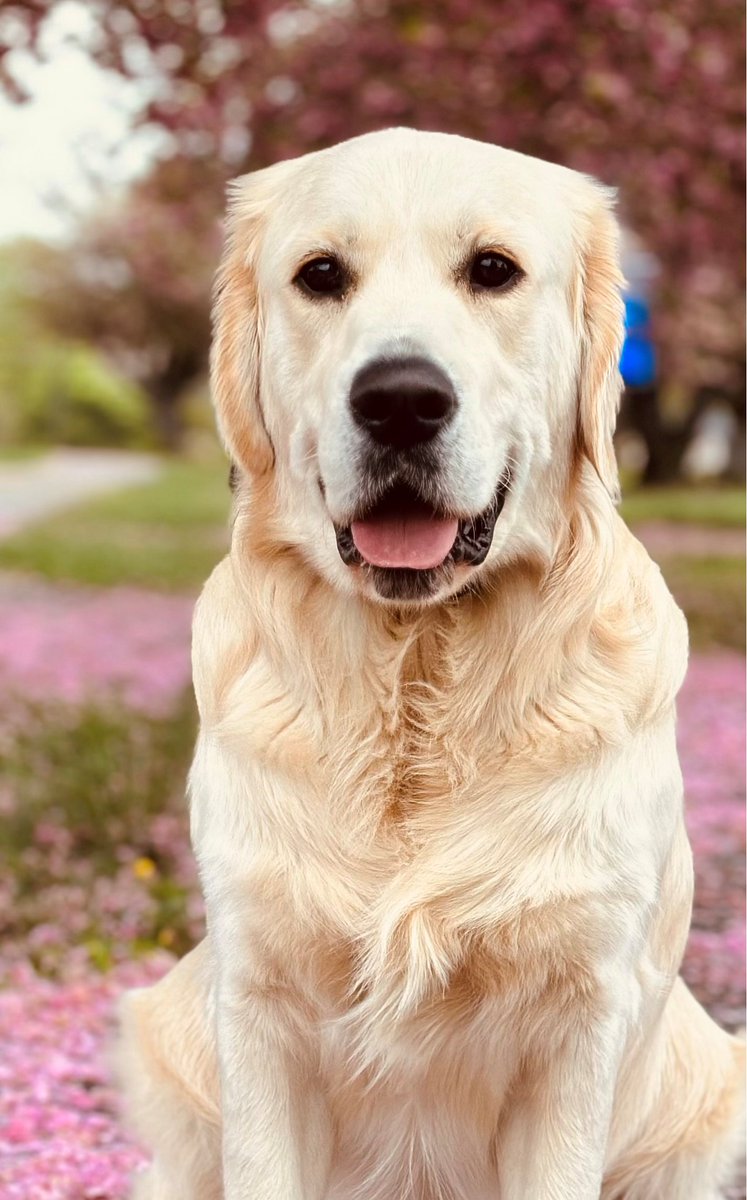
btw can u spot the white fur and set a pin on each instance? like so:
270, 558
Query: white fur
442, 848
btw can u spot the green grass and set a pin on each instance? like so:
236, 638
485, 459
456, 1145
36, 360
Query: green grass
724, 507
710, 590
13, 454
711, 593
167, 535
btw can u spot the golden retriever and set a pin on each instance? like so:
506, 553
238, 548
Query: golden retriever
435, 798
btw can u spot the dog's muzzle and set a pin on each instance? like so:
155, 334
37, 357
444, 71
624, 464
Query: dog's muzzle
404, 536
402, 528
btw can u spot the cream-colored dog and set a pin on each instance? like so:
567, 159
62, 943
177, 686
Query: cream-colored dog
435, 799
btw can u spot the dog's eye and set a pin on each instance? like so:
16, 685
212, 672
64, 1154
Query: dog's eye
323, 276
492, 270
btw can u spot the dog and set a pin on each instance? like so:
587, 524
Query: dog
435, 799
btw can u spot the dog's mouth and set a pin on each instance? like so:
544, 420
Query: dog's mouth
403, 531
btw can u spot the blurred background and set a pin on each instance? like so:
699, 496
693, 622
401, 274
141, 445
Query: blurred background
120, 123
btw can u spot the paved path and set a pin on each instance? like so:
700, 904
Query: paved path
33, 489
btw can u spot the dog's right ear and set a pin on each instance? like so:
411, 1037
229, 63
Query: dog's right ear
601, 320
237, 324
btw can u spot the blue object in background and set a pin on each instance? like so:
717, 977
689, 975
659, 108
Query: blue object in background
638, 359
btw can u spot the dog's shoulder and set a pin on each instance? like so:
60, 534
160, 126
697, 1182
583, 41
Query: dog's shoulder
644, 615
650, 591
222, 638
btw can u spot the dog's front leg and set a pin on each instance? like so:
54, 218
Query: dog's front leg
276, 1140
276, 1132
555, 1141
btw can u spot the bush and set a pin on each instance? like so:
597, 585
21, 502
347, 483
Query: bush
51, 392
68, 396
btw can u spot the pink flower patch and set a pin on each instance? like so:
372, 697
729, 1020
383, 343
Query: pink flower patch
711, 737
73, 646
60, 1131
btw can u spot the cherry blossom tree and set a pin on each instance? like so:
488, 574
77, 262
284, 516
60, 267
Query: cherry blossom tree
647, 96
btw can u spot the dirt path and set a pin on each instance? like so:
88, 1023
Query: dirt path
33, 489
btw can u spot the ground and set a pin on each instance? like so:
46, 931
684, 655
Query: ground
97, 883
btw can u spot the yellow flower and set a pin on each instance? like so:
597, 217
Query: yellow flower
143, 868
166, 937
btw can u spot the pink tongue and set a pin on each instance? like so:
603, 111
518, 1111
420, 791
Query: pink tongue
417, 542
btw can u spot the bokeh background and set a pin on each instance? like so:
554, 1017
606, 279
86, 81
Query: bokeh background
120, 123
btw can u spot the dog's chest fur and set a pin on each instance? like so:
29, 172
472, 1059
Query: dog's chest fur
418, 1011
418, 951
405, 868
407, 805
400, 883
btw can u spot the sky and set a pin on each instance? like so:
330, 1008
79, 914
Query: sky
55, 147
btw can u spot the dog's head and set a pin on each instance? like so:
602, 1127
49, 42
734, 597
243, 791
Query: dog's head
416, 343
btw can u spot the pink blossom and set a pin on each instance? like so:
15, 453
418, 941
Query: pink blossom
73, 645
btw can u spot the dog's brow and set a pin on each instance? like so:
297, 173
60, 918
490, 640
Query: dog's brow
337, 235
305, 245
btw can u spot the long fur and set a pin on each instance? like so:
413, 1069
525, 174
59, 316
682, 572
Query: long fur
447, 876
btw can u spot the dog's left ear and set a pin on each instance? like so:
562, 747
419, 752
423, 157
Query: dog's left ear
602, 332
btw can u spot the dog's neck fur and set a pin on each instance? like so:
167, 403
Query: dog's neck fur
533, 634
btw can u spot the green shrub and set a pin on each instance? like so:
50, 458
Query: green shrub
67, 395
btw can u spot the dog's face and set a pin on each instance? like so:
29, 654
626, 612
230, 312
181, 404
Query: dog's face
418, 334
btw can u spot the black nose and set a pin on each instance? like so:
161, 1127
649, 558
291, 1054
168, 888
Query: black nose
401, 402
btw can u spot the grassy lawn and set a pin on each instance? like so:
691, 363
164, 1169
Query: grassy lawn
13, 454
710, 590
724, 507
167, 535
711, 593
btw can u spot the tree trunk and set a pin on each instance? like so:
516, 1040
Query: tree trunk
166, 393
736, 468
167, 419
666, 443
